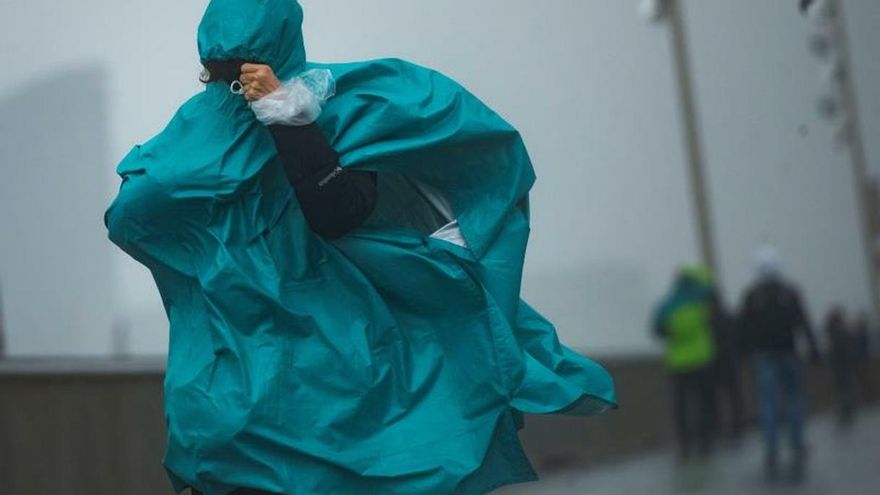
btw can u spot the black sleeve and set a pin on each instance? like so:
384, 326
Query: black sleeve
658, 326
745, 326
802, 322
334, 200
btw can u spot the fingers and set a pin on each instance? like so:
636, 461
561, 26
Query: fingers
257, 71
256, 85
250, 77
258, 80
256, 74
246, 68
255, 89
254, 92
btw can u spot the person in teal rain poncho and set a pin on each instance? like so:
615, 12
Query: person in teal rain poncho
395, 357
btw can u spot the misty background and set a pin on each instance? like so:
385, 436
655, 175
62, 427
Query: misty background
590, 84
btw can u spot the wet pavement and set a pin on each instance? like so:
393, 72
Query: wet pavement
841, 461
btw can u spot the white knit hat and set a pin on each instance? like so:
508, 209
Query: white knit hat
767, 262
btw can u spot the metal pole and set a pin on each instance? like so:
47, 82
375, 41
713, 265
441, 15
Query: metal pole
692, 138
856, 148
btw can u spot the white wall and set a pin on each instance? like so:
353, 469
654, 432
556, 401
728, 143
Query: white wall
84, 82
775, 175
863, 23
587, 82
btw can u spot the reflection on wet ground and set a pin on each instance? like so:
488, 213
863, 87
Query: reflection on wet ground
842, 461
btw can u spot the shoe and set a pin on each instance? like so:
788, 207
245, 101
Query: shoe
771, 468
798, 467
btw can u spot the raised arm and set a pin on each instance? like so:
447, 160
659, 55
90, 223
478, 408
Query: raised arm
803, 325
334, 200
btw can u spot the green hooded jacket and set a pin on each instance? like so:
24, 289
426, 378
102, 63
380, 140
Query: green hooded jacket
685, 321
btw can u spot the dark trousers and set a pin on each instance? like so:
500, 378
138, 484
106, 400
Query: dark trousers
729, 394
693, 409
843, 370
779, 377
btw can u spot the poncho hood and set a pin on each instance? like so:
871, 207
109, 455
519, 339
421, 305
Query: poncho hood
265, 31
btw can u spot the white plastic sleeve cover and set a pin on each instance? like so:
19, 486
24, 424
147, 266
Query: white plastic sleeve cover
298, 101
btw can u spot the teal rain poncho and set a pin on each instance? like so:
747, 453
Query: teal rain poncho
387, 362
